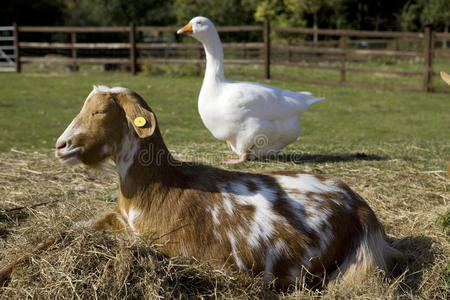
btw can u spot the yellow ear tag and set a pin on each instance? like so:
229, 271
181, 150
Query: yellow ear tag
140, 122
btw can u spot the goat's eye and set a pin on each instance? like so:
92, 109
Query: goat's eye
98, 112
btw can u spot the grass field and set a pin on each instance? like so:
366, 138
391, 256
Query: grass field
392, 147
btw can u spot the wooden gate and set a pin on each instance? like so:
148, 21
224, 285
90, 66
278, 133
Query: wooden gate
7, 45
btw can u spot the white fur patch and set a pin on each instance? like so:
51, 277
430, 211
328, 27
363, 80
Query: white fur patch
227, 204
69, 133
316, 216
131, 217
234, 251
259, 229
105, 89
133, 214
215, 214
261, 226
308, 183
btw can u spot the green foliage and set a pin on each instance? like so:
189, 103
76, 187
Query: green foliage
31, 12
350, 14
119, 12
280, 12
444, 222
233, 12
420, 13
446, 274
411, 15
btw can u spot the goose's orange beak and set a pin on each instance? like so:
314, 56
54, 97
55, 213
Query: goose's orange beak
186, 29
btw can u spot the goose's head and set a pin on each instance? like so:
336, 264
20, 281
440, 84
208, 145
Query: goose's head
199, 28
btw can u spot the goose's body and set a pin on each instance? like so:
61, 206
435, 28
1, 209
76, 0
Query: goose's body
253, 118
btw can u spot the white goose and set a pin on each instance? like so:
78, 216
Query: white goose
255, 119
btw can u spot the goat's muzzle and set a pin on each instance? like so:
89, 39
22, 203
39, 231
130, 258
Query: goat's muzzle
66, 152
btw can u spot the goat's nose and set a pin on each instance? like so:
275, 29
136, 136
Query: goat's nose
61, 145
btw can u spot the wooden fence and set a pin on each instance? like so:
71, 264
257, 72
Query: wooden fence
342, 46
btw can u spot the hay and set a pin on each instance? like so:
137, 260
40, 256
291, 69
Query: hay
98, 265
407, 198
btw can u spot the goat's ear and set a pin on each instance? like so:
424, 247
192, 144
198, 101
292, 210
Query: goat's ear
144, 123
142, 119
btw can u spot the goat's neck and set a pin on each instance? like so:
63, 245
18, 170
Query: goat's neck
146, 170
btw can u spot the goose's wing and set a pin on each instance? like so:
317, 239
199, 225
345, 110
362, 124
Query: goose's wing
267, 102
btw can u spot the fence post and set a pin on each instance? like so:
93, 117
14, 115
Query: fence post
16, 47
267, 48
427, 58
73, 39
289, 51
133, 48
343, 58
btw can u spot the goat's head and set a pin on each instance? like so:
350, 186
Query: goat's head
107, 118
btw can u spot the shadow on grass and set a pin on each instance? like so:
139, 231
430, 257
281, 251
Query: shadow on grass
417, 256
301, 158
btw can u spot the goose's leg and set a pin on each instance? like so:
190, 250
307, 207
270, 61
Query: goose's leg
243, 158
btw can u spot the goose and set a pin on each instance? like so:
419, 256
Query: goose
256, 120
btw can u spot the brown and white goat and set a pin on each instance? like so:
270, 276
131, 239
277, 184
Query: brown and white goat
284, 224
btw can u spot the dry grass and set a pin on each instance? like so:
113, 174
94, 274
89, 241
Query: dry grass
84, 264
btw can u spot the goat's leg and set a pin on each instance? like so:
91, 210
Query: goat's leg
110, 222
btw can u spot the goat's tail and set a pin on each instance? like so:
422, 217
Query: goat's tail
372, 252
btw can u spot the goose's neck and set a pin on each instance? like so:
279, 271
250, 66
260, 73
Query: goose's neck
214, 58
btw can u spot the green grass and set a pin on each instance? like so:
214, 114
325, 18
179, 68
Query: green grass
36, 108
444, 221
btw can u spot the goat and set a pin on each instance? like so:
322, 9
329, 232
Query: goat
283, 223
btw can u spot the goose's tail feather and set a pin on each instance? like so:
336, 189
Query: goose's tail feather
314, 100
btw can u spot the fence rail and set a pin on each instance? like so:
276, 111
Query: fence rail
344, 46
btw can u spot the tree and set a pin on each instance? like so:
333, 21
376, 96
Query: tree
292, 12
232, 12
279, 13
31, 12
418, 14
300, 7
119, 12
